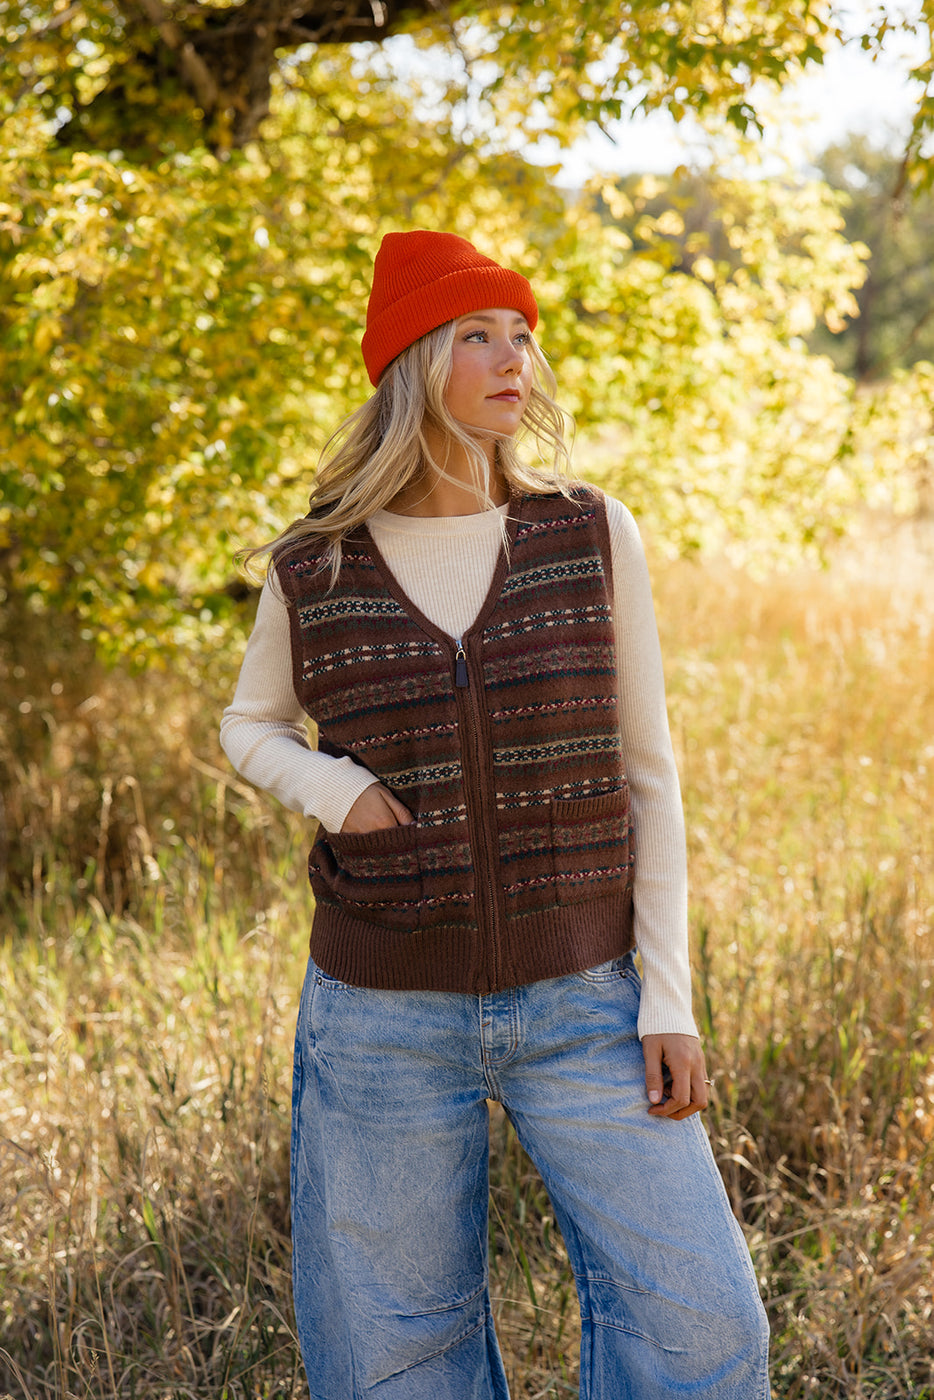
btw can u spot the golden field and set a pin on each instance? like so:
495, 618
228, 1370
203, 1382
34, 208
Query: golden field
154, 921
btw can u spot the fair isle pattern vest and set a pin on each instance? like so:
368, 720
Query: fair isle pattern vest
506, 750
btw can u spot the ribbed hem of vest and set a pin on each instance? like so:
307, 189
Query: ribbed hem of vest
448, 958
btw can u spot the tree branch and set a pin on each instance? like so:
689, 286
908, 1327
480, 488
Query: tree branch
305, 21
194, 70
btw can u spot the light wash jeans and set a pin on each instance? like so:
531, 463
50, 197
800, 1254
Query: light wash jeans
390, 1195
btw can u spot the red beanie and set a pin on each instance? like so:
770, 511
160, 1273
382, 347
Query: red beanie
423, 279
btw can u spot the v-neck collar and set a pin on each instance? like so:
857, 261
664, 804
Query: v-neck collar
500, 574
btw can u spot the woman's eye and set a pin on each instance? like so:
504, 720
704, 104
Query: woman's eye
522, 338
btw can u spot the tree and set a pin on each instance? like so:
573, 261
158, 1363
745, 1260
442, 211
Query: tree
894, 327
180, 305
216, 63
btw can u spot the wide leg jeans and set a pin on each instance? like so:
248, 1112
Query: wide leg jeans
390, 1195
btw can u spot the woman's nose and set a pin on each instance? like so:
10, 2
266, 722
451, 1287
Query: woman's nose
510, 360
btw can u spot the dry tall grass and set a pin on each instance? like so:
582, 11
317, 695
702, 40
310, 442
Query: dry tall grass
153, 948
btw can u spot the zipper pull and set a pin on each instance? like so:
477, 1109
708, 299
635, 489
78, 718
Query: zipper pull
461, 679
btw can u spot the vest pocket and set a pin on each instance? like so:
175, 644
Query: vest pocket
592, 844
374, 874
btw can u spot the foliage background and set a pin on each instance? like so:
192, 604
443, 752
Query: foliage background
188, 214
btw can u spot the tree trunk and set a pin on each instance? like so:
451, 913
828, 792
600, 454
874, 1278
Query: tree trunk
224, 59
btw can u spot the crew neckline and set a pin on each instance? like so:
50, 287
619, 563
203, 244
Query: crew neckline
478, 523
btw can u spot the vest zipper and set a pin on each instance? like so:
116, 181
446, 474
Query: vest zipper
461, 678
481, 824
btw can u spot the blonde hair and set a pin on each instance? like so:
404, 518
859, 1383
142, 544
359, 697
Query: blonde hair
381, 448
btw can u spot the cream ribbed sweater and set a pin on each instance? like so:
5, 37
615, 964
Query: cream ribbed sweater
445, 566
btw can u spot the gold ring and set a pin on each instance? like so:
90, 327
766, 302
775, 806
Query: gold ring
709, 1081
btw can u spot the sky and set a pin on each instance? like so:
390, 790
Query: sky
849, 93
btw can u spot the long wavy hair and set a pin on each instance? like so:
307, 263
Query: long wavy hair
381, 448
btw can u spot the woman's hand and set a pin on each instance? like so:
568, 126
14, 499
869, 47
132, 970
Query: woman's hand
687, 1090
376, 809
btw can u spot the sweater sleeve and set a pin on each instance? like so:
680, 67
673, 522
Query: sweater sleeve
660, 894
263, 730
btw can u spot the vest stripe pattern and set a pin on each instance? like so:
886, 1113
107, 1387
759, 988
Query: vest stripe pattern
519, 863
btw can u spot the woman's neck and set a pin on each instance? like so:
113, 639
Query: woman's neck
455, 493
445, 498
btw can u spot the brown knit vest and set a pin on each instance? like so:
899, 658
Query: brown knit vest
518, 865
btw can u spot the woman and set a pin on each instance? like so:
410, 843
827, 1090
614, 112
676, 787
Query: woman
476, 642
